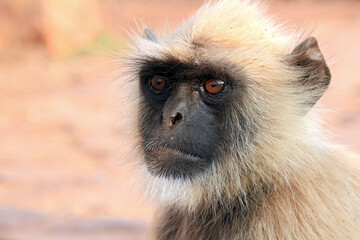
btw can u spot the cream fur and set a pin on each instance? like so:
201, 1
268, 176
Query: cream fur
317, 190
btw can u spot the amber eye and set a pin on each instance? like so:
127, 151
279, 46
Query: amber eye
158, 83
214, 86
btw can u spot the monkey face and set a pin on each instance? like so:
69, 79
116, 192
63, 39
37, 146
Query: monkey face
222, 101
185, 105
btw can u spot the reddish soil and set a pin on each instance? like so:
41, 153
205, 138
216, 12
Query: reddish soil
63, 173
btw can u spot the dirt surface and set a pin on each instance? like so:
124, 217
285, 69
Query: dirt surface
63, 171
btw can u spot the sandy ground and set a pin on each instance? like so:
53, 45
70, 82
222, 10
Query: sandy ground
63, 156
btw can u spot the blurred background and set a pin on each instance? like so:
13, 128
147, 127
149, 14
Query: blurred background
63, 170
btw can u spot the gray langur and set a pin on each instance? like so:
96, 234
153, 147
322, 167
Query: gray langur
231, 149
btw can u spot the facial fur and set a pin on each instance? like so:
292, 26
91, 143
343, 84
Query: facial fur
214, 151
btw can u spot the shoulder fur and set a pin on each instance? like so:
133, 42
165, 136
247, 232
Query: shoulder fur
310, 188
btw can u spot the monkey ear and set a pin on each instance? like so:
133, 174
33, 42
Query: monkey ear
149, 35
315, 79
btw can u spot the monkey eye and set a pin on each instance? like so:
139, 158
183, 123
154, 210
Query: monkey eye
158, 83
214, 86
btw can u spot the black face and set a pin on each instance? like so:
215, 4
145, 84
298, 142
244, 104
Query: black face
182, 113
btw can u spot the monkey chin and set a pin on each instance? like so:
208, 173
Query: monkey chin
174, 163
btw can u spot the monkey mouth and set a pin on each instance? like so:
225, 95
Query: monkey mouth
168, 162
165, 153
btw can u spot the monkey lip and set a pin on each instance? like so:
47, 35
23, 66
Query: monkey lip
169, 154
168, 162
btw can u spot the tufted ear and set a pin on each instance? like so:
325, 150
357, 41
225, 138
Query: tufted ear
315, 79
149, 35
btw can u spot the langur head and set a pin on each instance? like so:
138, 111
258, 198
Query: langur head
222, 99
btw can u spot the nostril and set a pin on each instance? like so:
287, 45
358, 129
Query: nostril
176, 118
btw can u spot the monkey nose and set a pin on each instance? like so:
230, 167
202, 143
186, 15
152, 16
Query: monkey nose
175, 119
